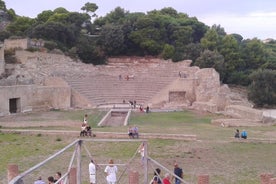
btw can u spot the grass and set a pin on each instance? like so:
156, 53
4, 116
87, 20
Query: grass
215, 153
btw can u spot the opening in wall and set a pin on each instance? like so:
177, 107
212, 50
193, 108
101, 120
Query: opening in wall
14, 105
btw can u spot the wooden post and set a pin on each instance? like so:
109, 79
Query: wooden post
133, 177
79, 162
272, 181
265, 177
12, 171
203, 179
145, 161
73, 176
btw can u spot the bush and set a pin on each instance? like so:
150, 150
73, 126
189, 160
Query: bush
262, 90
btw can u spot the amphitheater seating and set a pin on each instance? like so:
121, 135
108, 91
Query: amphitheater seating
105, 86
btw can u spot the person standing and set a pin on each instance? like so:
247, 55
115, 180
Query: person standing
85, 119
111, 171
156, 177
51, 180
166, 179
178, 172
57, 177
92, 172
39, 181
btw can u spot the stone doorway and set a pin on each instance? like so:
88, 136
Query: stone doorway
14, 104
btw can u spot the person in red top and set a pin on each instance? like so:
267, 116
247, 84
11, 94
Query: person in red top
166, 180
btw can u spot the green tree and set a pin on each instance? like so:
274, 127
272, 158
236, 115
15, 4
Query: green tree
168, 51
89, 51
230, 50
262, 90
44, 16
3, 5
90, 7
253, 53
211, 59
63, 35
20, 26
211, 40
113, 39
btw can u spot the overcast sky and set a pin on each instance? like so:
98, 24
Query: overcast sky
249, 18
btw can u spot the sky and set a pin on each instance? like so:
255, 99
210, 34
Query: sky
249, 18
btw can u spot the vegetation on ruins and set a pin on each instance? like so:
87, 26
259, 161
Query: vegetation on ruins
163, 33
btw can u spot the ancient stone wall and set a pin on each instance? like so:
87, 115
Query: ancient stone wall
16, 43
31, 97
2, 60
238, 111
41, 57
209, 83
24, 43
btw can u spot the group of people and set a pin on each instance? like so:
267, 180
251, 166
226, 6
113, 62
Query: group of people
242, 135
110, 172
176, 178
144, 110
85, 127
51, 179
133, 132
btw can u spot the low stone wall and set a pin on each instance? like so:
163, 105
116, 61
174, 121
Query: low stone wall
237, 111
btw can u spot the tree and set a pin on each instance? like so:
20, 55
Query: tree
113, 39
253, 53
90, 7
3, 5
20, 26
262, 90
168, 51
230, 50
210, 40
211, 59
44, 16
89, 52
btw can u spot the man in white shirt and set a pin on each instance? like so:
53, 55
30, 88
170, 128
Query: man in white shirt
92, 172
111, 171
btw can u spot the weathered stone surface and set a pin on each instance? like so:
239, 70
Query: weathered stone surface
154, 82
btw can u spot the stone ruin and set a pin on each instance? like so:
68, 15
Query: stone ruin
38, 75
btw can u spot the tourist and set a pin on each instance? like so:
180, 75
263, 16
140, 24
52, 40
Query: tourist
141, 108
166, 179
51, 180
92, 172
83, 130
237, 133
244, 134
142, 152
39, 181
111, 171
178, 172
130, 132
85, 119
57, 177
147, 109
156, 177
88, 131
134, 104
